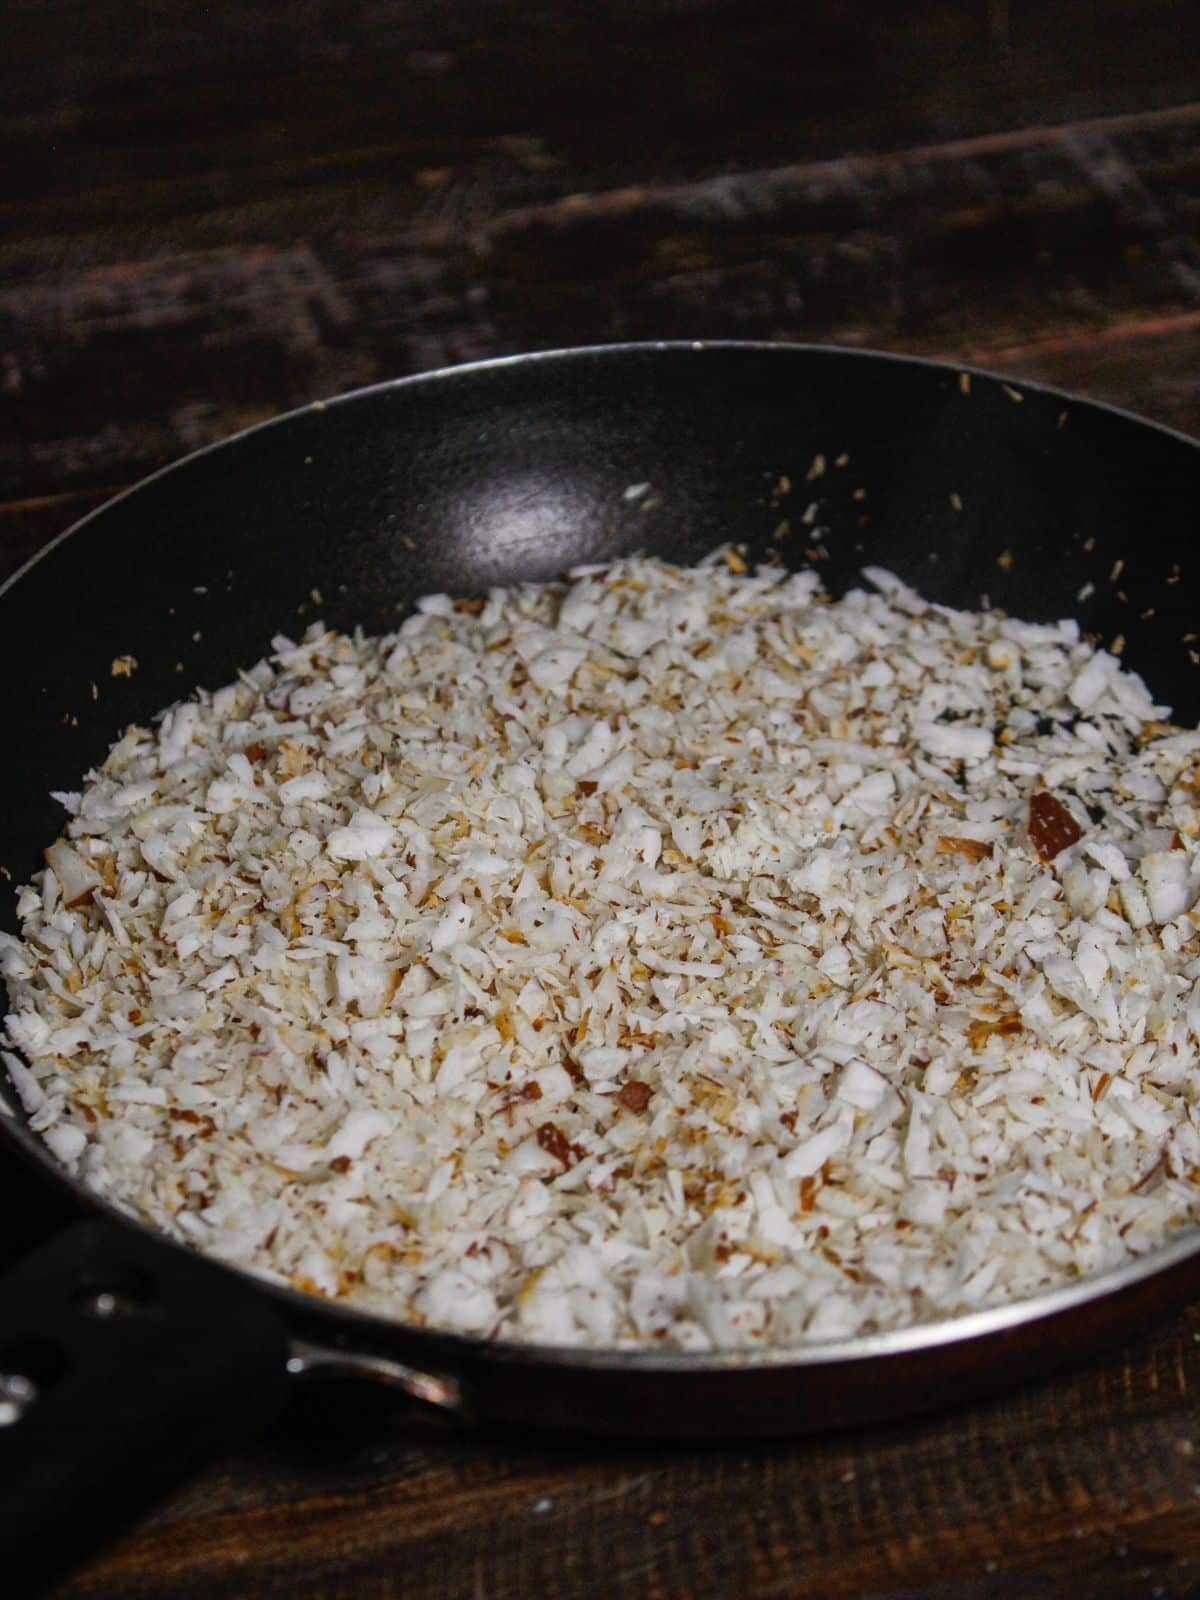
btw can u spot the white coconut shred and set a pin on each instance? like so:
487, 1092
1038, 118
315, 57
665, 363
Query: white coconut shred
665, 955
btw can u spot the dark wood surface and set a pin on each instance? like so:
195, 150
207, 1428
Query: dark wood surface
210, 213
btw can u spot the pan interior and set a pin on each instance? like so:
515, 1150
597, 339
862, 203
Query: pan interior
972, 490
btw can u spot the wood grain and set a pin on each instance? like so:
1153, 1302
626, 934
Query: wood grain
211, 214
980, 247
1091, 1483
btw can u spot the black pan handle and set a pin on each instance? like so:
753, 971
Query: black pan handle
123, 1365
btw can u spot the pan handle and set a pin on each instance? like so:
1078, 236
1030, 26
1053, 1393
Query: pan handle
441, 1390
123, 1365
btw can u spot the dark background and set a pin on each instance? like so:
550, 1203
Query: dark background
209, 214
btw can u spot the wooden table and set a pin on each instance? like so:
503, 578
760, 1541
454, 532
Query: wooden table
211, 213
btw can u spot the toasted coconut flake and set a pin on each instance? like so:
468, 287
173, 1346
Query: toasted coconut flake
77, 878
972, 849
1052, 828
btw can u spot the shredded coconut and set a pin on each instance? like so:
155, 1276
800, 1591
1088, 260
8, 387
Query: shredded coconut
664, 955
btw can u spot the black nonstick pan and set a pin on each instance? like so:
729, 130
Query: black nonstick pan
123, 1358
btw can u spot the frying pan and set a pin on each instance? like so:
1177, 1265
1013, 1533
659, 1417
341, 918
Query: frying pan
126, 1357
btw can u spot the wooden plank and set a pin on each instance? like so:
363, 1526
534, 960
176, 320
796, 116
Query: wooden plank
607, 90
983, 245
1087, 1485
1148, 366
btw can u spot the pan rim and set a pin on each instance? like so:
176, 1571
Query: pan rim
566, 353
351, 1325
